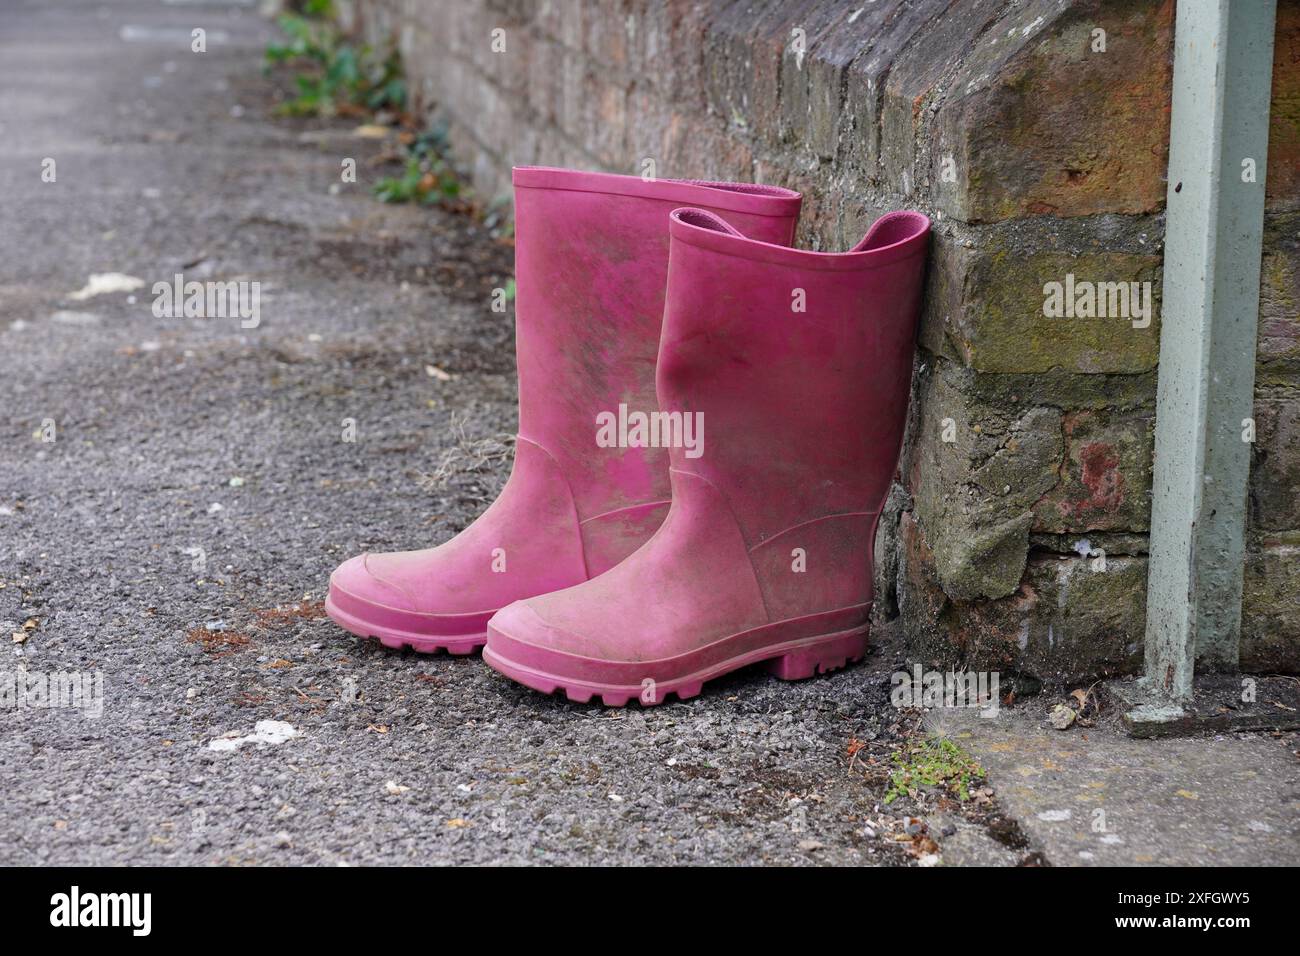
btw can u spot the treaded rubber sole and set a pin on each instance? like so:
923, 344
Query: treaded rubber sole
458, 644
793, 660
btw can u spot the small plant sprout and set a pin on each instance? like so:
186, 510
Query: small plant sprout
933, 763
335, 76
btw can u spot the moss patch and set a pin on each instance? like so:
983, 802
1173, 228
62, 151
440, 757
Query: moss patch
933, 762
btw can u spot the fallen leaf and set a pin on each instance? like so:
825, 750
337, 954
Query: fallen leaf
20, 637
458, 823
395, 788
923, 846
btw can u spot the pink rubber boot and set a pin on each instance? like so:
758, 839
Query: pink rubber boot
591, 259
799, 365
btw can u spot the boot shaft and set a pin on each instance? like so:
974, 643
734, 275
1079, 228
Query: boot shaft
591, 266
797, 364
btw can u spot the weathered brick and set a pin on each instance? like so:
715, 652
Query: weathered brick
1270, 610
545, 80
564, 20
1282, 186
986, 308
469, 35
602, 108
511, 69
513, 11
1105, 477
988, 467
1038, 124
886, 562
1275, 462
1066, 623
743, 61
572, 111
606, 40
896, 26
549, 16
649, 119
975, 474
913, 87
702, 150
673, 60
1279, 301
831, 126
799, 67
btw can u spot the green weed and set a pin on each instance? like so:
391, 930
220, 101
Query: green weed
335, 77
933, 762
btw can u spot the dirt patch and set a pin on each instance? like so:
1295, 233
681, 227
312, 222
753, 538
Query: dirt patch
218, 643
275, 617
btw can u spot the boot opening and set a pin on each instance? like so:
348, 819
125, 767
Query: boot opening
891, 229
704, 220
751, 189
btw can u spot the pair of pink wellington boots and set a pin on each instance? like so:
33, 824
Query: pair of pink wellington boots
613, 566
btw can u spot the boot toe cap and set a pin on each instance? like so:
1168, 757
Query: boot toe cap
357, 579
521, 624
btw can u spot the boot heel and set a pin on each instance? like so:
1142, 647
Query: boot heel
828, 653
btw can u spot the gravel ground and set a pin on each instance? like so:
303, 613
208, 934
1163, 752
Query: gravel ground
177, 535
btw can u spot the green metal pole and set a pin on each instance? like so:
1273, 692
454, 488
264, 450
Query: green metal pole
1218, 146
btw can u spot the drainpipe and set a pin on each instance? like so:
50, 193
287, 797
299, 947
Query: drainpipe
1218, 144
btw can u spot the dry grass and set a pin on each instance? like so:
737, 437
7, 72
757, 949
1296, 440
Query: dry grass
472, 470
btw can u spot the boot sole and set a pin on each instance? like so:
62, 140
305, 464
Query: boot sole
789, 660
458, 644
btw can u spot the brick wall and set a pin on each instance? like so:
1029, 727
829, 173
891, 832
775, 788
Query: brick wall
1038, 154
